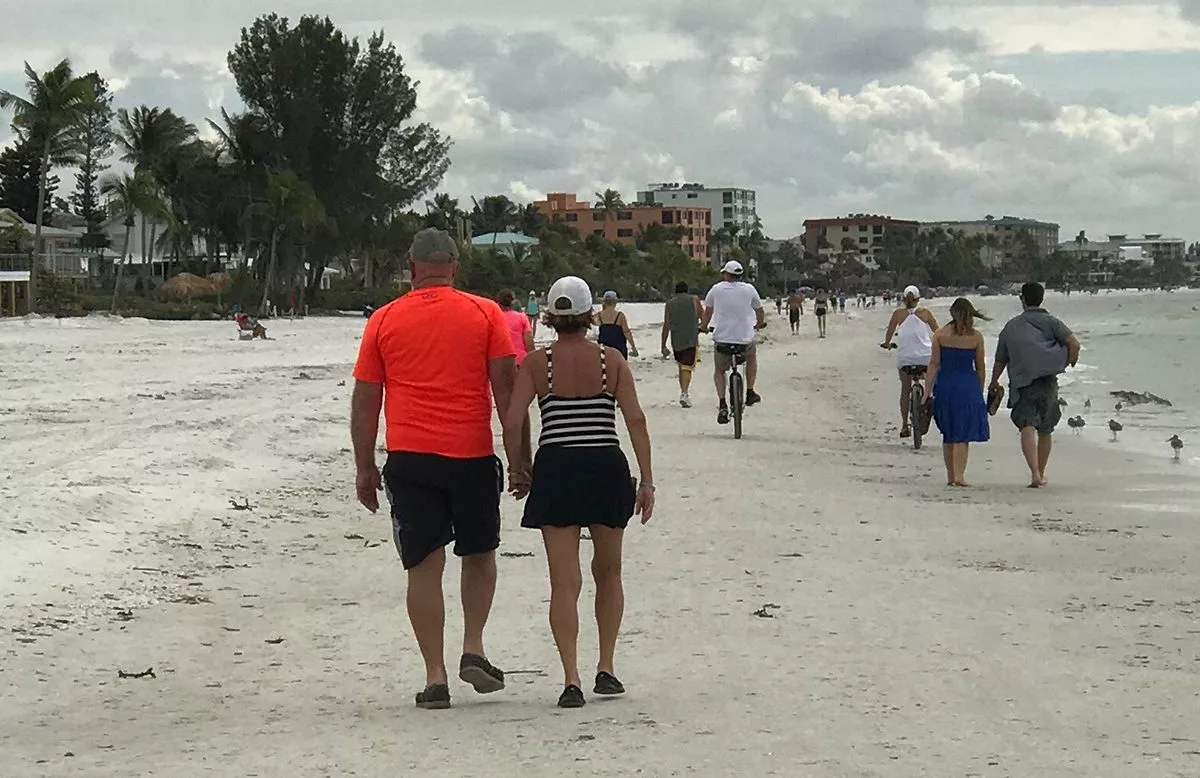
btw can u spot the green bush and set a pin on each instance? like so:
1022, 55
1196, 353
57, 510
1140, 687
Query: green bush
346, 297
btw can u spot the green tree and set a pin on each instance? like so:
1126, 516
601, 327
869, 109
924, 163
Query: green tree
290, 208
95, 145
128, 195
50, 116
442, 212
21, 180
340, 113
494, 213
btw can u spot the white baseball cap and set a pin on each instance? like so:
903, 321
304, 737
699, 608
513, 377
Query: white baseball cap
733, 268
912, 291
569, 296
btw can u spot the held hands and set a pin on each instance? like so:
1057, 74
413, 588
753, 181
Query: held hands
633, 352
666, 352
520, 479
367, 485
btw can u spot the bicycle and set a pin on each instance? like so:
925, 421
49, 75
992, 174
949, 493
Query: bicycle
918, 411
737, 385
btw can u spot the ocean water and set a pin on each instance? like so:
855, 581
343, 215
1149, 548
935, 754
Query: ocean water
1132, 341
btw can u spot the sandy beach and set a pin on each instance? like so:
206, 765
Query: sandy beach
910, 630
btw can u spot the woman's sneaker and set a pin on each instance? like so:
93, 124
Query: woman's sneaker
684, 400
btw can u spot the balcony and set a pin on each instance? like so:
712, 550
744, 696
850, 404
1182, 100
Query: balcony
66, 263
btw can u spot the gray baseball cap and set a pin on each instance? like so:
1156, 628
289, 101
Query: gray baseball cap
434, 247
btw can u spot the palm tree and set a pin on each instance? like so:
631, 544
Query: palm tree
609, 201
57, 102
290, 206
130, 194
151, 139
443, 211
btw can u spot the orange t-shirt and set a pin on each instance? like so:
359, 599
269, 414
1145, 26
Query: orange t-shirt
430, 349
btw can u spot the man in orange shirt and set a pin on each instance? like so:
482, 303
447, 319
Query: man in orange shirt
437, 356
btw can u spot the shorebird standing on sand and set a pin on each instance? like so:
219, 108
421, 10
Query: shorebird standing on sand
1177, 444
1119, 407
1116, 427
1087, 404
1076, 423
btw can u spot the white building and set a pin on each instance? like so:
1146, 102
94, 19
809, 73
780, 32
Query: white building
730, 206
1000, 235
1149, 247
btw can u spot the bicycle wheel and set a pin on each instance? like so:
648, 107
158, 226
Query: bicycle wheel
916, 407
737, 402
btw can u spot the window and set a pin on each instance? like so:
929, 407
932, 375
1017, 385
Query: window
668, 217
863, 239
624, 216
572, 217
845, 228
862, 252
877, 229
708, 217
624, 233
862, 228
727, 197
692, 195
728, 213
598, 232
598, 216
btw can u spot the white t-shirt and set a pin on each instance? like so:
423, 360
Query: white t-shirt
734, 304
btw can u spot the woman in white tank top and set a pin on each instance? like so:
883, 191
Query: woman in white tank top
912, 327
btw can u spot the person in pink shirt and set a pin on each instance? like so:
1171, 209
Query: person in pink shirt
519, 327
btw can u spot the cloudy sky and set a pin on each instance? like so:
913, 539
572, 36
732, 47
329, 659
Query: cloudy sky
1084, 113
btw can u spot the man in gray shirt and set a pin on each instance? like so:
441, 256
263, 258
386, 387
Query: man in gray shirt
1035, 347
681, 322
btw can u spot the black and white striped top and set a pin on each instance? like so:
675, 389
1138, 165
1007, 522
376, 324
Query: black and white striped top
578, 421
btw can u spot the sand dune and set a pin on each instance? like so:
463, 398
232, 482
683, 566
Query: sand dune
906, 629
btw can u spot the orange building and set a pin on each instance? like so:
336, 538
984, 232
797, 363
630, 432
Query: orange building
624, 225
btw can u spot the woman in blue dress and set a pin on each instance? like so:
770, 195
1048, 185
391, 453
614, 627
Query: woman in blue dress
957, 373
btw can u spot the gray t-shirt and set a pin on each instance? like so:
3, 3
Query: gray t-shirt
684, 323
1033, 345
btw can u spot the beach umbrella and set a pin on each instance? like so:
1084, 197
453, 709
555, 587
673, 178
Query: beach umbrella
220, 284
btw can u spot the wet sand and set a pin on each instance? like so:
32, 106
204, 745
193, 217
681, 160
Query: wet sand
905, 628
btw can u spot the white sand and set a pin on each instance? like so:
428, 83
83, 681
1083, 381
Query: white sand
919, 631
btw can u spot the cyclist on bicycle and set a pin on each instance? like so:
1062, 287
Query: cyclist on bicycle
912, 327
735, 311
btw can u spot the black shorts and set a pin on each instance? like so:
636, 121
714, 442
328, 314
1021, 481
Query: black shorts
794, 316
436, 500
819, 311
580, 487
686, 356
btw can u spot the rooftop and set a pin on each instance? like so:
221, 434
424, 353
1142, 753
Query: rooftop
503, 239
1003, 221
678, 187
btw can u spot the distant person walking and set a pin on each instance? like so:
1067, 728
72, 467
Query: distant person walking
580, 477
614, 327
1034, 347
957, 374
821, 309
433, 360
795, 310
518, 324
531, 310
681, 323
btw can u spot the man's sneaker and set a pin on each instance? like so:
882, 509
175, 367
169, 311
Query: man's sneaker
723, 414
685, 401
752, 398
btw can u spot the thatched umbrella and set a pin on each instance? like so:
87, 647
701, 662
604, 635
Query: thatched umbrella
187, 285
220, 284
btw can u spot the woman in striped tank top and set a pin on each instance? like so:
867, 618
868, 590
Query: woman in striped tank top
580, 477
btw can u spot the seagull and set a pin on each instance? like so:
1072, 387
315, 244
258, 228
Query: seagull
1076, 423
1177, 444
1087, 404
1116, 427
1120, 406
1062, 403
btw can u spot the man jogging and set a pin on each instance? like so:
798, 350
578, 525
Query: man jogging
735, 311
681, 322
433, 360
1034, 347
795, 310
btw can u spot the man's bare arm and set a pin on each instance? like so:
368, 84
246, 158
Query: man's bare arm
365, 405
998, 371
666, 328
708, 314
502, 373
1073, 349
